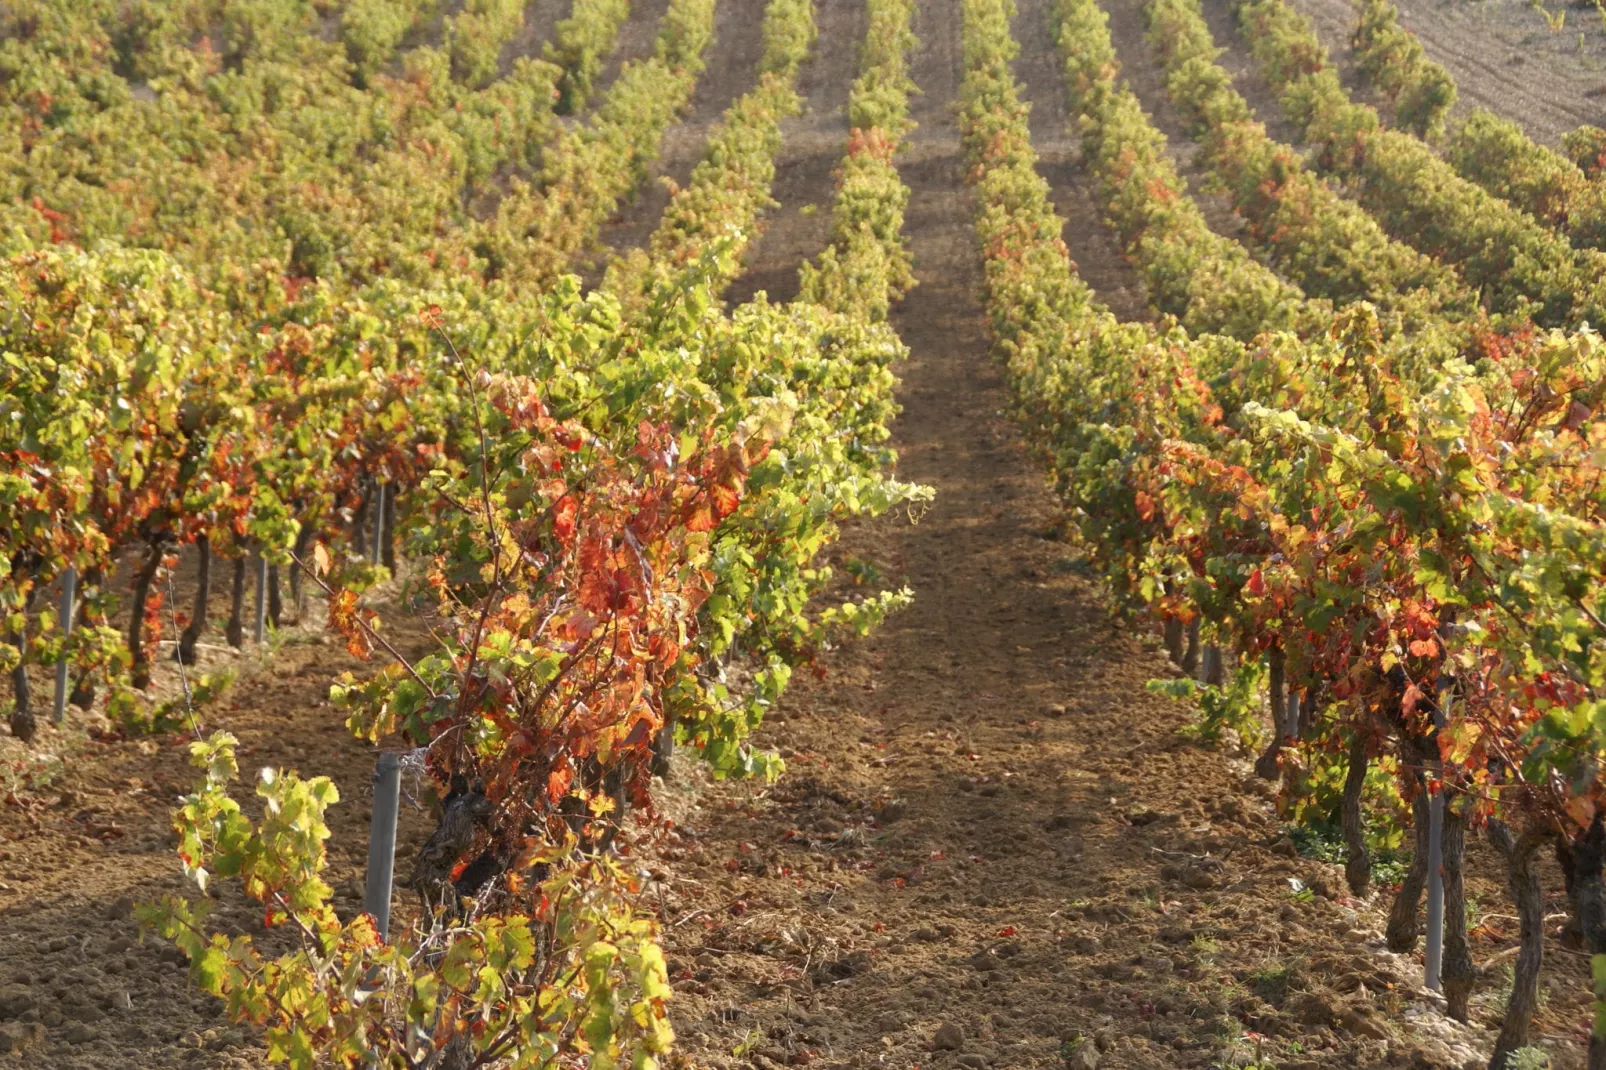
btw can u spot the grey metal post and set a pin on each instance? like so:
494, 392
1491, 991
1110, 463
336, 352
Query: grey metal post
69, 588
1434, 955
382, 841
1433, 958
379, 524
262, 600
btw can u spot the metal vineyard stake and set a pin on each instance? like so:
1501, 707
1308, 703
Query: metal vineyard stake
262, 600
382, 841
379, 523
1433, 958
69, 587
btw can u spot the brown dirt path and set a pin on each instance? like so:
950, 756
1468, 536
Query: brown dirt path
1142, 72
540, 19
78, 990
1246, 78
636, 40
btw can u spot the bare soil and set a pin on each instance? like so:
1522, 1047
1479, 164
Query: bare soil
992, 848
814, 143
540, 19
636, 41
732, 67
1503, 54
1094, 247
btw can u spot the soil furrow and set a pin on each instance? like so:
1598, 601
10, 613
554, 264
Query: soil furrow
1094, 246
636, 41
540, 22
812, 144
75, 858
732, 69
1142, 72
1501, 55
1237, 61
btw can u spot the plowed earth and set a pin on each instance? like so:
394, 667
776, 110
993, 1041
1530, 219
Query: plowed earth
992, 847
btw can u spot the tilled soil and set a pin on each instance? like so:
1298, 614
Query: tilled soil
804, 173
992, 847
1503, 54
732, 64
80, 988
1095, 248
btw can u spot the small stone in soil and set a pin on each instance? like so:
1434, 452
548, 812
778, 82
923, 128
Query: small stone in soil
20, 1037
1085, 1057
16, 1000
948, 1037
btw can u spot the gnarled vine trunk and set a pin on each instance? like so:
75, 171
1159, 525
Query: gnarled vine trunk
1403, 925
1586, 856
1521, 857
1458, 972
24, 725
275, 602
1358, 862
387, 545
235, 630
663, 748
298, 588
185, 654
140, 669
359, 520
1173, 640
83, 691
1277, 687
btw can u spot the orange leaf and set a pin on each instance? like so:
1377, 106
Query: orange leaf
1145, 506
558, 781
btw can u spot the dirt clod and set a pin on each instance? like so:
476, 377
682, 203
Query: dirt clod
948, 1037
1085, 1056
